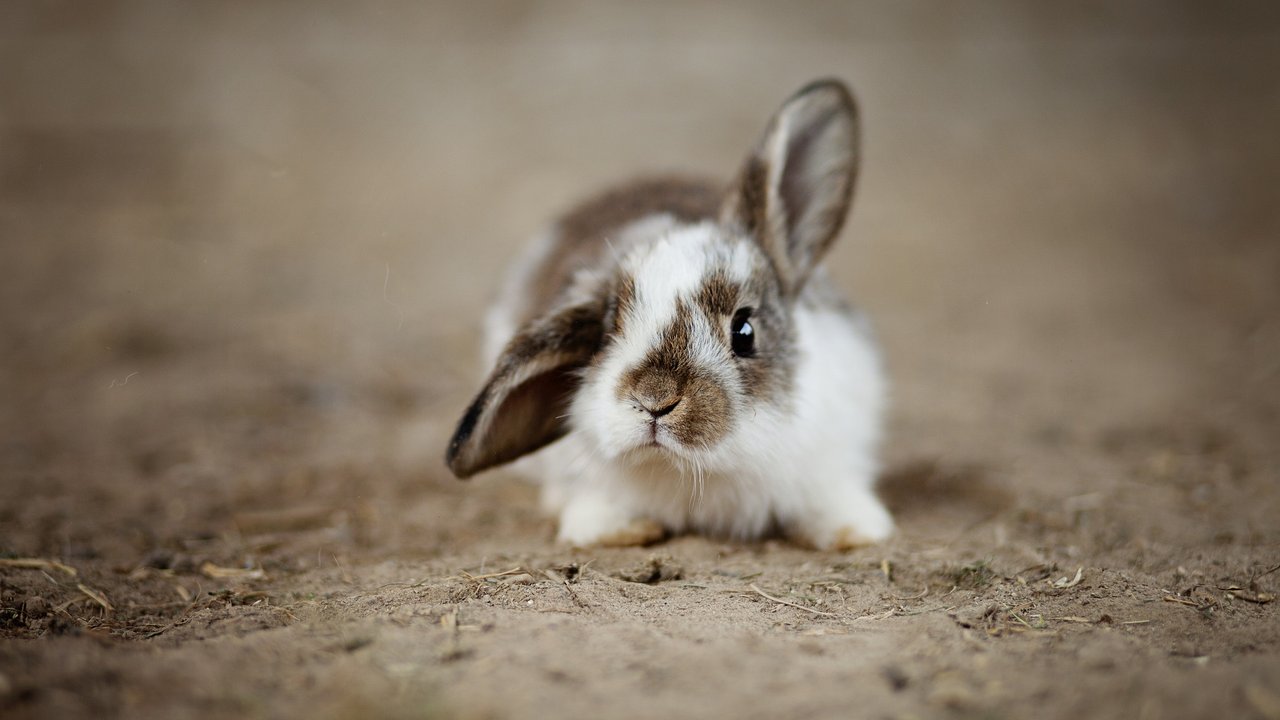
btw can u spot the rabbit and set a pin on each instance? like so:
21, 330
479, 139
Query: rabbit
686, 363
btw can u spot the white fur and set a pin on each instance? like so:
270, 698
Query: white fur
807, 463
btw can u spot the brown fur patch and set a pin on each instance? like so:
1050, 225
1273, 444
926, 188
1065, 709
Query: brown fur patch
582, 232
573, 331
718, 296
623, 304
704, 415
664, 370
753, 197
672, 352
767, 374
667, 375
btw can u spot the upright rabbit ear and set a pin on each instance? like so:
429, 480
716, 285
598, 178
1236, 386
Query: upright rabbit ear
793, 193
525, 401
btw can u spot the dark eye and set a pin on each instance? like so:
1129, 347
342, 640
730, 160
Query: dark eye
742, 336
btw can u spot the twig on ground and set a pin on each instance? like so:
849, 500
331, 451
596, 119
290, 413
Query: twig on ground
346, 576
1021, 621
1263, 574
411, 584
780, 601
1235, 592
903, 612
918, 596
481, 578
37, 564
167, 628
882, 616
218, 572
96, 596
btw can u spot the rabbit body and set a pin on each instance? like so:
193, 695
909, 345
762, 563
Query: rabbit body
686, 363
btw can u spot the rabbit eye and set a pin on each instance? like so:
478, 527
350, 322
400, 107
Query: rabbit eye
742, 335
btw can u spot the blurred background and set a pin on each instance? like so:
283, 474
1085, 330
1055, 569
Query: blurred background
245, 247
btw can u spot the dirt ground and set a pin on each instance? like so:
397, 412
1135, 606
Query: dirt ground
245, 248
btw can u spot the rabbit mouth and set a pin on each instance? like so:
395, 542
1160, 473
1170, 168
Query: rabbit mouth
654, 453
659, 438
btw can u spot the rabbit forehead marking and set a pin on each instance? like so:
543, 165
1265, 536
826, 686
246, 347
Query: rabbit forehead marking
658, 278
676, 264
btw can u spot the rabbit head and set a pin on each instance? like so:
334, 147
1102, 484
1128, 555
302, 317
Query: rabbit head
680, 335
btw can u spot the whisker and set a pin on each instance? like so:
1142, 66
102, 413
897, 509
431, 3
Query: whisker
616, 257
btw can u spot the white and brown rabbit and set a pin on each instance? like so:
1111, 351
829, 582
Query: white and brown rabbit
691, 363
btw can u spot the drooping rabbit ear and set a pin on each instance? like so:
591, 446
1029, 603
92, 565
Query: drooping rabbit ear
525, 401
793, 193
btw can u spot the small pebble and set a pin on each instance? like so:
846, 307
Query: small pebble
35, 606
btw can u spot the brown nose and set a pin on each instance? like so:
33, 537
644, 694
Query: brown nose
657, 393
659, 408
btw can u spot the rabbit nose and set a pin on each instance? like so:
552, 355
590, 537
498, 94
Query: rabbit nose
654, 392
654, 408
659, 408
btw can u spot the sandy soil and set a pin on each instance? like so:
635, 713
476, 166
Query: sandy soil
244, 249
